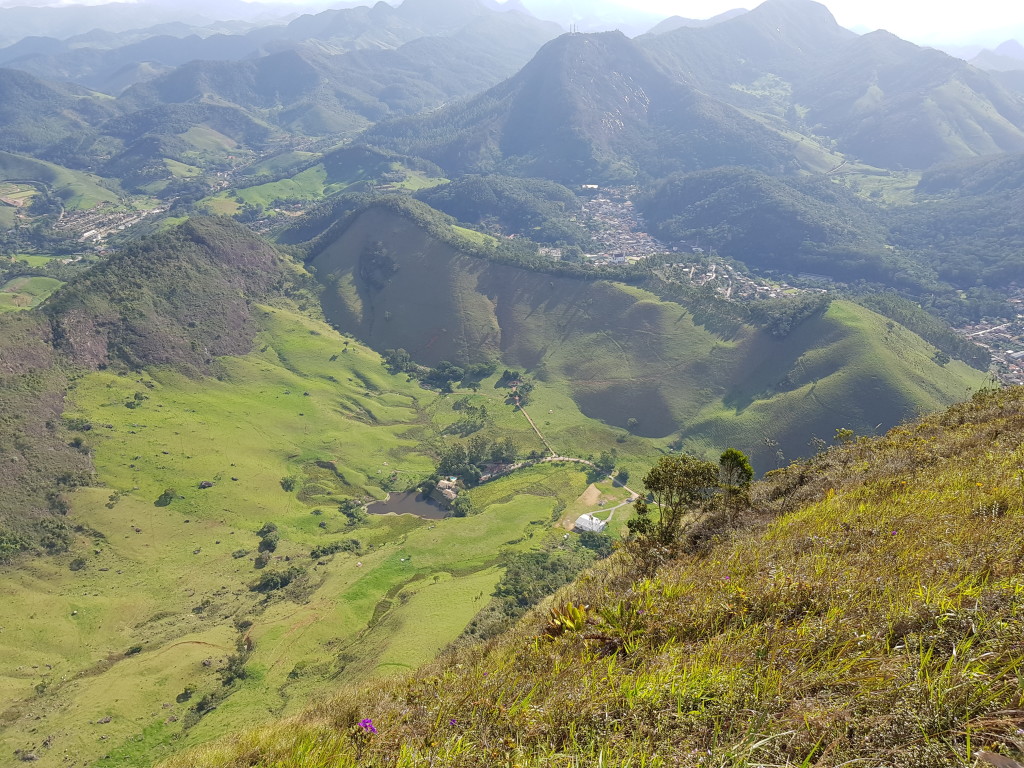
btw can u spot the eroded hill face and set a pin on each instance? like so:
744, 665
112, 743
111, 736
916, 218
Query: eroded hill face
628, 357
180, 299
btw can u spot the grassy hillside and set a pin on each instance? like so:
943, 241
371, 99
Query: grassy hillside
182, 545
178, 298
866, 608
76, 190
349, 169
26, 292
627, 357
146, 636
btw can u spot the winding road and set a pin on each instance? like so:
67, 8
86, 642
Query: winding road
633, 495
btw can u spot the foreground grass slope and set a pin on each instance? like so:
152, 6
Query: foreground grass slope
866, 608
626, 356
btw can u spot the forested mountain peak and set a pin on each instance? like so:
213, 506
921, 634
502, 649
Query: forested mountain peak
893, 103
783, 37
675, 22
588, 106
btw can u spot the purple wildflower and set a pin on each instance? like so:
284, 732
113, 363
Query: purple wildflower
367, 725
453, 721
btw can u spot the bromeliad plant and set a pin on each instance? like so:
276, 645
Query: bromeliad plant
566, 618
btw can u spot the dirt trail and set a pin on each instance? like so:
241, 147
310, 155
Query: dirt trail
541, 436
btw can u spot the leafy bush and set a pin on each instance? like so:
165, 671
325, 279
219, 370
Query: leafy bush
274, 580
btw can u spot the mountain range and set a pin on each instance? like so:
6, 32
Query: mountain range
267, 273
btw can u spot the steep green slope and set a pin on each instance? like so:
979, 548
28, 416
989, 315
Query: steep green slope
35, 114
178, 298
866, 608
894, 104
76, 190
883, 100
963, 222
627, 357
38, 463
788, 224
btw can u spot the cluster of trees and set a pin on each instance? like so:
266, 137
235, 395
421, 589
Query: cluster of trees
472, 418
467, 461
346, 545
531, 576
442, 376
536, 208
274, 580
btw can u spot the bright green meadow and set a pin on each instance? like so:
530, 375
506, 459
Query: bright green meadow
113, 649
26, 292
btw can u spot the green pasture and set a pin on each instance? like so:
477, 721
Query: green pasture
315, 182
77, 190
154, 597
882, 185
26, 292
181, 170
279, 164
477, 238
414, 181
33, 259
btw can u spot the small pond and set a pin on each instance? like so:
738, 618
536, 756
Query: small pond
411, 503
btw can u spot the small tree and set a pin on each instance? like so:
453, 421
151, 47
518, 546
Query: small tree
678, 487
604, 464
734, 475
462, 506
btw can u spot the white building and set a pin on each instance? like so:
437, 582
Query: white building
590, 524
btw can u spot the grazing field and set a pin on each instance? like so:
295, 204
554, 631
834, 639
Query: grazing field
26, 292
335, 173
77, 190
864, 609
33, 259
148, 635
181, 170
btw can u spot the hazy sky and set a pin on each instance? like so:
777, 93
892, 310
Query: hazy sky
922, 21
919, 20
